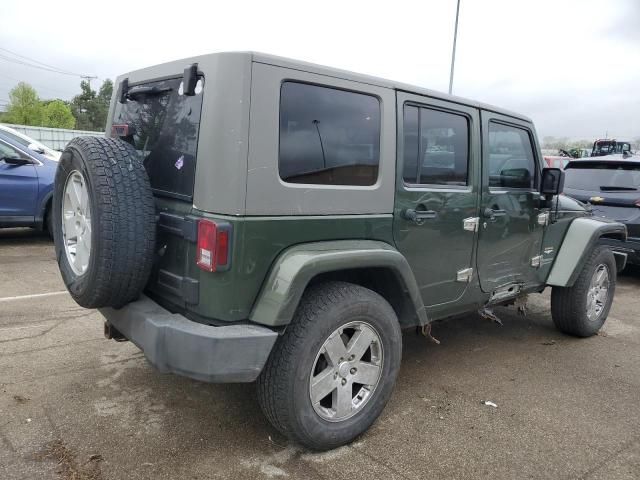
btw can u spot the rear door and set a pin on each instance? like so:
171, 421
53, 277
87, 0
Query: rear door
510, 234
18, 187
163, 125
436, 193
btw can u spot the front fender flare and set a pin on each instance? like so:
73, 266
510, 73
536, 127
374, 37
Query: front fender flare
296, 266
582, 236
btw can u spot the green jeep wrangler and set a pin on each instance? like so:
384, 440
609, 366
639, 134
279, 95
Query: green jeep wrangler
253, 218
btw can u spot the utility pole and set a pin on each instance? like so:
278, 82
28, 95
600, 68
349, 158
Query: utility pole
88, 78
453, 52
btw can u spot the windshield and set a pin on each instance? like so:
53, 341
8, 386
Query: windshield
163, 125
596, 177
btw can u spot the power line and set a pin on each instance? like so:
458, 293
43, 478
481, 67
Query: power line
46, 69
38, 65
61, 70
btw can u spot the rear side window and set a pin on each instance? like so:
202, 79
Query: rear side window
512, 163
328, 136
436, 147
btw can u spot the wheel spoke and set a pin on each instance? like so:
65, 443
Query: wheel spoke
360, 342
335, 349
322, 384
86, 238
600, 277
342, 401
601, 296
367, 373
69, 225
82, 254
84, 199
75, 194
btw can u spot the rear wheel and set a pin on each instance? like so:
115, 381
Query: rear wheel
332, 372
582, 309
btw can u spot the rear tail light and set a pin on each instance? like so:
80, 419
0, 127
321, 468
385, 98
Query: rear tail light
213, 246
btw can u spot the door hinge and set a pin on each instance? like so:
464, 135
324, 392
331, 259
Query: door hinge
543, 219
464, 275
535, 261
471, 224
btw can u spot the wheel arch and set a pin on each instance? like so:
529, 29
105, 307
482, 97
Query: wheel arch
582, 236
43, 209
371, 264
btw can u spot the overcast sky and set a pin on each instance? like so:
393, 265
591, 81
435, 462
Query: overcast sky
571, 65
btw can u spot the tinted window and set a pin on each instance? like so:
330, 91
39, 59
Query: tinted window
163, 126
603, 177
328, 136
436, 147
7, 150
511, 160
16, 138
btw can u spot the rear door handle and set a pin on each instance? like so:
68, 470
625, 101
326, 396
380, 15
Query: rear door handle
492, 214
419, 216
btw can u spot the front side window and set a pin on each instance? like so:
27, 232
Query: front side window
436, 147
512, 163
328, 136
10, 151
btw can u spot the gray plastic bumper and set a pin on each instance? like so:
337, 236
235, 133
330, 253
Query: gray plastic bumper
173, 343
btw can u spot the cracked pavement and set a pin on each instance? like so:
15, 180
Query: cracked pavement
566, 407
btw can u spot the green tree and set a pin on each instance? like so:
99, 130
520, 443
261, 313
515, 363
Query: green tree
24, 106
90, 108
57, 114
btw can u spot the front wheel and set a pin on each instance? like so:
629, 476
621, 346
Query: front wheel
333, 371
582, 309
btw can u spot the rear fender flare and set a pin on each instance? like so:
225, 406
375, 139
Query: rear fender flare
582, 236
298, 265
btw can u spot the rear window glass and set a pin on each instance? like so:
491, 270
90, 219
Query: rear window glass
328, 136
163, 127
593, 176
436, 147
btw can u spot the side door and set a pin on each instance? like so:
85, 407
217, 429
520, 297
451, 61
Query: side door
437, 194
512, 224
18, 187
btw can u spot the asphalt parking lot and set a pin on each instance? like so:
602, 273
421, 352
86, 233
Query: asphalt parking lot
76, 406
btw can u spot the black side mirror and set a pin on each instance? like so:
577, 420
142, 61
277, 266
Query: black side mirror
15, 160
552, 182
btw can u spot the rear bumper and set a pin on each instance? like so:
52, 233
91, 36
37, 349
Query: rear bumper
631, 247
173, 343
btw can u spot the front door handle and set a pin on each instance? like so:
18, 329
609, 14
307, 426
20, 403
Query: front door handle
418, 216
492, 214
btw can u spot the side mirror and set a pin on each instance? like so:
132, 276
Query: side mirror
15, 160
515, 178
35, 148
552, 182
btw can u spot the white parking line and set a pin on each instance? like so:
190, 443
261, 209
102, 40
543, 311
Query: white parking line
34, 295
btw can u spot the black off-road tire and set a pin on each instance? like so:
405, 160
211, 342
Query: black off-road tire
569, 304
283, 385
122, 221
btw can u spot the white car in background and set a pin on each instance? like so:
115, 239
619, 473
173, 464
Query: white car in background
30, 143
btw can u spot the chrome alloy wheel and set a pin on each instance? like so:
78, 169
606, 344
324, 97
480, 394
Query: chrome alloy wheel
76, 222
598, 292
346, 371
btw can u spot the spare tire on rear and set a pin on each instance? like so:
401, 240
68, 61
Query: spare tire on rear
103, 222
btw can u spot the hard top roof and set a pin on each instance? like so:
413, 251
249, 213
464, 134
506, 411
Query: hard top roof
381, 82
346, 75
